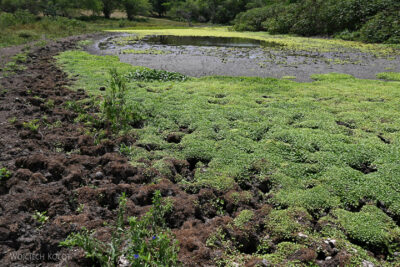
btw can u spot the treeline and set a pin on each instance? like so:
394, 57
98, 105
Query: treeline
68, 8
366, 20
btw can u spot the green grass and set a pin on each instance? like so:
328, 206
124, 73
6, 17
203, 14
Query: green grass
326, 146
390, 76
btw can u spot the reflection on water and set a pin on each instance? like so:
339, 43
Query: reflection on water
206, 41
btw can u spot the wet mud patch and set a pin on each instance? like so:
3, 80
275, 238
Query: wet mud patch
209, 56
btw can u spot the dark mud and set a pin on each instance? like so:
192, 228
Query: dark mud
197, 60
57, 168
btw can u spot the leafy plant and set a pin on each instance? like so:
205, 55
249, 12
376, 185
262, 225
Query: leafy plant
117, 112
4, 174
145, 242
32, 125
155, 75
40, 217
80, 208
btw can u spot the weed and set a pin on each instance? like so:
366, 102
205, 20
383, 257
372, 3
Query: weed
80, 208
40, 217
4, 174
12, 120
125, 150
146, 242
32, 125
49, 104
117, 112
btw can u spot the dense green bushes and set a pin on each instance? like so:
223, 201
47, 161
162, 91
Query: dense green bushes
71, 8
19, 17
383, 27
370, 21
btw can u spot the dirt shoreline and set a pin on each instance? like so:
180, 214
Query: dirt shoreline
58, 168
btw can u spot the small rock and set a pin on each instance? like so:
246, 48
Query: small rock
302, 235
99, 175
123, 262
367, 264
328, 258
331, 242
265, 263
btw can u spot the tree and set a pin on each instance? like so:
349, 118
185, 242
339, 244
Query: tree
94, 5
135, 7
159, 6
188, 10
109, 6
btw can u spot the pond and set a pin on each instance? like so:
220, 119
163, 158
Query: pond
209, 56
206, 41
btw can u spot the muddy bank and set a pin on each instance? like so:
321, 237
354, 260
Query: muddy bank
205, 59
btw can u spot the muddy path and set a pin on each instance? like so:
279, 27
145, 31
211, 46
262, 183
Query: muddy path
56, 168
246, 59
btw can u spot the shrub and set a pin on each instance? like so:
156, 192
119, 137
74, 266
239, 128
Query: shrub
24, 17
146, 242
117, 112
7, 20
315, 17
383, 27
251, 20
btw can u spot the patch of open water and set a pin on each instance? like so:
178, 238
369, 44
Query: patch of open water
206, 56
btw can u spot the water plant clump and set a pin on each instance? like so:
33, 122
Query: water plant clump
155, 75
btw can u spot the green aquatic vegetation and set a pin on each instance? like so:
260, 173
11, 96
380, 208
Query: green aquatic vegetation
390, 76
325, 145
145, 51
155, 75
84, 43
286, 42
